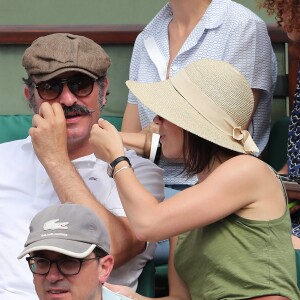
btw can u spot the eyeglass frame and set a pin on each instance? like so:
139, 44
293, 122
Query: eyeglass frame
56, 261
62, 82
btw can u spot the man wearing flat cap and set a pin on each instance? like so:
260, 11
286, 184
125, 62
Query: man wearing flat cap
69, 259
66, 89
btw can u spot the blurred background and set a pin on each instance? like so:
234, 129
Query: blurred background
87, 12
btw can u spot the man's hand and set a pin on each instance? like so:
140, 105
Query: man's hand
49, 134
106, 141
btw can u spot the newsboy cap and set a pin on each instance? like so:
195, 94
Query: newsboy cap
57, 53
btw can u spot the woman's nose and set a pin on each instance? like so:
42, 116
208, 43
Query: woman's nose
157, 119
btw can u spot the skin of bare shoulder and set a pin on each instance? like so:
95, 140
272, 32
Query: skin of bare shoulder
255, 183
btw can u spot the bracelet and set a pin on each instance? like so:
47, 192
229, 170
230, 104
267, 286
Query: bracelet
147, 145
112, 165
121, 169
119, 159
154, 146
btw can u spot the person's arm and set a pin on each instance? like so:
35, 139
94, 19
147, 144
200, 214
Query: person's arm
252, 54
133, 136
146, 145
49, 141
131, 120
203, 203
256, 95
135, 141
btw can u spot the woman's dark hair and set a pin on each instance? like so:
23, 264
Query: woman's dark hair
290, 7
199, 153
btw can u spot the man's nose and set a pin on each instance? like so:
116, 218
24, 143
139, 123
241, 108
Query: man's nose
67, 97
54, 274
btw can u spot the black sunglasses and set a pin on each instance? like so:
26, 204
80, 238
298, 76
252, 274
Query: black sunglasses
80, 86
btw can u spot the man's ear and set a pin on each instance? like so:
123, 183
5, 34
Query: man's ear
26, 92
106, 85
106, 264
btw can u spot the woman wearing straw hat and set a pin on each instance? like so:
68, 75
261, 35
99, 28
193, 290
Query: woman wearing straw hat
231, 232
185, 31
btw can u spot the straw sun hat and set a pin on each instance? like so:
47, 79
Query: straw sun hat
208, 98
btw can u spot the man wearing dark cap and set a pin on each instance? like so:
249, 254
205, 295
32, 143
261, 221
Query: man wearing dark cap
66, 88
69, 259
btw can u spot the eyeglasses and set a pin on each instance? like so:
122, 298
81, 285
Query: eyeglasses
66, 266
80, 86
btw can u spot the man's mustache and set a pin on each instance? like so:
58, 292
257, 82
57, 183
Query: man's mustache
77, 109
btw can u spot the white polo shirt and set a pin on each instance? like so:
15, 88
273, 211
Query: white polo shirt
26, 189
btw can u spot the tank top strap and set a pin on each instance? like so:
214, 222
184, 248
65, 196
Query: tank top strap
283, 187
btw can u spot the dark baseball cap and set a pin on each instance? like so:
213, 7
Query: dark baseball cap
57, 53
70, 229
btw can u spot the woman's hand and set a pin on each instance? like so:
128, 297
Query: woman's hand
106, 141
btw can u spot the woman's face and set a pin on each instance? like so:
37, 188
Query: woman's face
171, 138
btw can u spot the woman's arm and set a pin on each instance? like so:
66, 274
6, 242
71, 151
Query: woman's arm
237, 184
256, 95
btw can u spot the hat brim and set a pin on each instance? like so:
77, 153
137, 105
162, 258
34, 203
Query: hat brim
163, 99
45, 77
67, 247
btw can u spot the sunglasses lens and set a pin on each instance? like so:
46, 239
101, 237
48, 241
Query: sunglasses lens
81, 86
49, 90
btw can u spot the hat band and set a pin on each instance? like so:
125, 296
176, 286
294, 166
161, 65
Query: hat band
211, 112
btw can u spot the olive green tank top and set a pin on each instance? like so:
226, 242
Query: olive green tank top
237, 258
